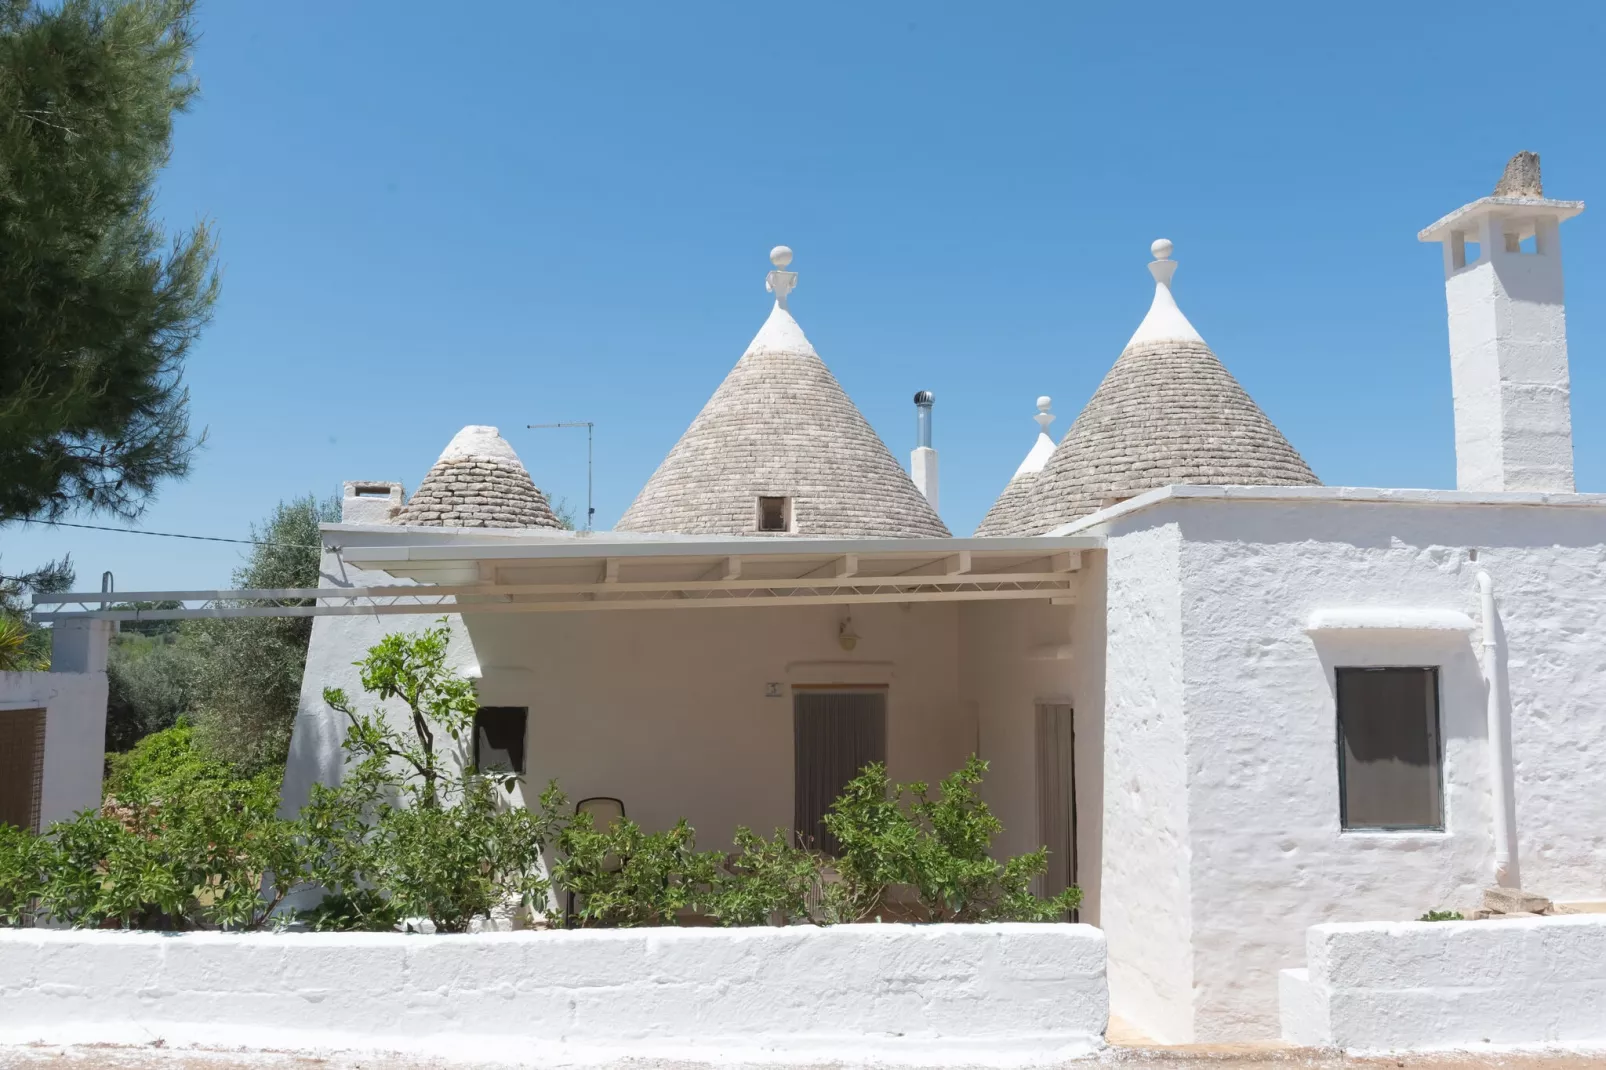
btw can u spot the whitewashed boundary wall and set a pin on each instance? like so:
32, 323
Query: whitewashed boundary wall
1011, 994
1401, 986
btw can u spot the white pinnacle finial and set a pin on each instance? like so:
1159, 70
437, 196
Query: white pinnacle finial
780, 281
1044, 417
1165, 320
1162, 267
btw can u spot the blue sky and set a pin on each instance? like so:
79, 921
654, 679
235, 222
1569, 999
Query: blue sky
541, 212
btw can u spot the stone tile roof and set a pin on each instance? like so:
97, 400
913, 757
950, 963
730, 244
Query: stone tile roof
478, 482
780, 424
1005, 515
1168, 412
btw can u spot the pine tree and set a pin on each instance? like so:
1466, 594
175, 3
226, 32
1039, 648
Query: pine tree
97, 308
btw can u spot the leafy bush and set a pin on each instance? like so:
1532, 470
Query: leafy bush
625, 877
148, 679
26, 863
1442, 915
212, 856
765, 882
897, 835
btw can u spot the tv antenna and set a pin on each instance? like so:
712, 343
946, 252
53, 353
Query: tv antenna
591, 511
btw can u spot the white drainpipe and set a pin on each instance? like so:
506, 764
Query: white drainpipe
1501, 775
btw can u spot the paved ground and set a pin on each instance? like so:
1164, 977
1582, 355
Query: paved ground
1241, 1058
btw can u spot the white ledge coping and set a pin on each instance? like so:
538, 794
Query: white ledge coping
1092, 523
1388, 618
924, 995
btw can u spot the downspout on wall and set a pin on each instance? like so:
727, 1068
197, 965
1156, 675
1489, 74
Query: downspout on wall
1502, 776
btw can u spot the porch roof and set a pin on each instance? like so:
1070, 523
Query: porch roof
472, 571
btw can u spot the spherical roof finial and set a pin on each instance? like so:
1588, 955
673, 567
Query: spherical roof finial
1161, 248
1044, 402
780, 256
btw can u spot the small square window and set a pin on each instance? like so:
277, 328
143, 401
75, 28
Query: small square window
1389, 762
499, 739
774, 513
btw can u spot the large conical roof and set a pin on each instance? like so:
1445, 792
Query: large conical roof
1006, 514
478, 482
780, 425
1168, 412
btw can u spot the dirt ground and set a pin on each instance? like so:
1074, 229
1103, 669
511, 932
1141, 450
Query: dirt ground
1117, 1058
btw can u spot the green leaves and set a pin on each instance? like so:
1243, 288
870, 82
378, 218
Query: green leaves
624, 877
897, 836
413, 669
98, 308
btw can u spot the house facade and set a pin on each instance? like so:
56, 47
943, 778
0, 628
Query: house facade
1232, 701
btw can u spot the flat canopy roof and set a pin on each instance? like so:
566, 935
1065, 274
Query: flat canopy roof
476, 571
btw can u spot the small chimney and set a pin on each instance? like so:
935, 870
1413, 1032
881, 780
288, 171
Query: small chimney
366, 501
1508, 335
923, 462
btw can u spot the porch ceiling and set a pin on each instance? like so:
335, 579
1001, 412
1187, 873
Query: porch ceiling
588, 574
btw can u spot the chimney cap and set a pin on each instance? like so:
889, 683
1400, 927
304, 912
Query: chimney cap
925, 397
1521, 178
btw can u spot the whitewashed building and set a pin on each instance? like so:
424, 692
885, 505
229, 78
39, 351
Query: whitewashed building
1232, 701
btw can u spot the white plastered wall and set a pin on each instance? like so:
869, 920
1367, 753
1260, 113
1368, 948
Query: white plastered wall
1013, 656
671, 711
75, 735
1146, 852
337, 642
1264, 851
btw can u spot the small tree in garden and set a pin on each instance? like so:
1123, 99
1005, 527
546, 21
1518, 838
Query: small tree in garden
456, 852
411, 668
898, 834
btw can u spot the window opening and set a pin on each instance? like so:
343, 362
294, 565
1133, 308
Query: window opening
774, 513
1389, 757
499, 739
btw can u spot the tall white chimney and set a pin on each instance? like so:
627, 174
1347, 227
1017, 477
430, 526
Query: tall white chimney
1508, 335
923, 461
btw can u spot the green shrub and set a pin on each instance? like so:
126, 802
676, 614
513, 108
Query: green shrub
1442, 915
765, 881
164, 764
896, 835
212, 855
26, 862
454, 864
625, 877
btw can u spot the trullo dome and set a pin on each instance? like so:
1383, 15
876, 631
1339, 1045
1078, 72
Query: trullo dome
1168, 412
781, 450
478, 482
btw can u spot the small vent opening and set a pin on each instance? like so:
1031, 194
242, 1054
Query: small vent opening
774, 513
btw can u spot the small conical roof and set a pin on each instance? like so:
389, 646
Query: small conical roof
780, 425
478, 482
1168, 412
1005, 515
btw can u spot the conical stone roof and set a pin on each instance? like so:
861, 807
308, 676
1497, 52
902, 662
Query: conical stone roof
1007, 512
478, 482
1168, 412
781, 425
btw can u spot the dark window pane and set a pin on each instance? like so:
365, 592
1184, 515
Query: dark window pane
499, 739
835, 735
1388, 748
